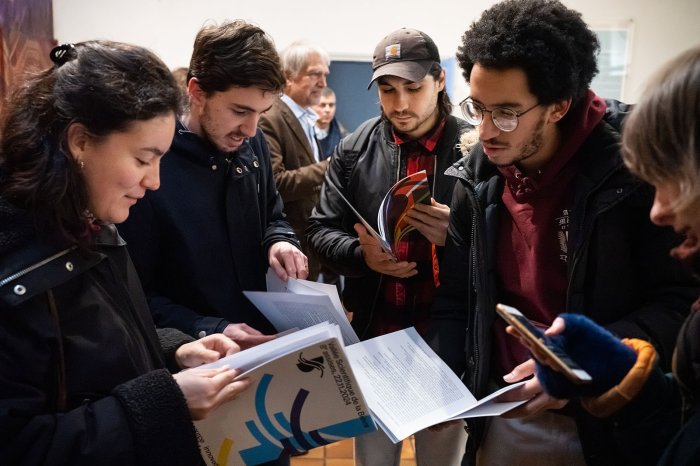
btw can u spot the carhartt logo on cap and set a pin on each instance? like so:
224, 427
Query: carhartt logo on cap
404, 53
392, 51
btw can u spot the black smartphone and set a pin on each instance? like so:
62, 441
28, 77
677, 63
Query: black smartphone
536, 336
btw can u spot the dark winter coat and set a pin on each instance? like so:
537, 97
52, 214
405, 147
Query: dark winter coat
82, 372
619, 271
202, 239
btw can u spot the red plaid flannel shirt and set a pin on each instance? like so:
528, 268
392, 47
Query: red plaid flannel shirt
406, 301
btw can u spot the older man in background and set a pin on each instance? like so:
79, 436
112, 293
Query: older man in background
288, 126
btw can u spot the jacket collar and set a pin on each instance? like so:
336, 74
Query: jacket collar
292, 121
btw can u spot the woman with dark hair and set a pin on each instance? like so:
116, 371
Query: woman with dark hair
84, 375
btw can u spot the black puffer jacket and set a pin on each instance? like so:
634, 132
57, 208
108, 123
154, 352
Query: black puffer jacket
620, 272
663, 420
365, 165
82, 371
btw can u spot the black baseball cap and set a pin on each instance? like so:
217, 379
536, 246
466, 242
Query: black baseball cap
406, 53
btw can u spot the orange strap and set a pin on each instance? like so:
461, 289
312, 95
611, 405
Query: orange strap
617, 397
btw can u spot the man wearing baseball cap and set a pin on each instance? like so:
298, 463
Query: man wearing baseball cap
414, 132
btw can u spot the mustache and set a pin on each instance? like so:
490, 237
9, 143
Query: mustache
402, 114
493, 142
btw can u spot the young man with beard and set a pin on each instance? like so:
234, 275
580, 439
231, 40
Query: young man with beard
545, 218
415, 132
657, 420
217, 222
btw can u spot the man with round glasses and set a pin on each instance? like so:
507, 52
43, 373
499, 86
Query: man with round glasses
504, 118
545, 218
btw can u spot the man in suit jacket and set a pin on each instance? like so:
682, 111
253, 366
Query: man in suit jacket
289, 129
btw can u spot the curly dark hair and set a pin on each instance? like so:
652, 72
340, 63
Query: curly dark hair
235, 53
106, 86
549, 42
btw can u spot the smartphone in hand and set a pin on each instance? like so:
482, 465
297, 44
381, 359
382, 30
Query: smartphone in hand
557, 357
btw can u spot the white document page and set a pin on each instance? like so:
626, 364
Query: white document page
253, 357
487, 406
299, 286
287, 310
273, 282
407, 386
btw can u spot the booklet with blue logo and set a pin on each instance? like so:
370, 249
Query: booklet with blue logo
309, 390
304, 395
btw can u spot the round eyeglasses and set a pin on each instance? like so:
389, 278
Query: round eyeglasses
505, 119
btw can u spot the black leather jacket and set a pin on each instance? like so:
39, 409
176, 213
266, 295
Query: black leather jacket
365, 165
619, 271
82, 371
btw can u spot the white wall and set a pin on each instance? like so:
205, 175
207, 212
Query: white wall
351, 29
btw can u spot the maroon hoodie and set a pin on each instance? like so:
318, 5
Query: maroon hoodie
532, 249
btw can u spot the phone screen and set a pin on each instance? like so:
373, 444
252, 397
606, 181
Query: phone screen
536, 336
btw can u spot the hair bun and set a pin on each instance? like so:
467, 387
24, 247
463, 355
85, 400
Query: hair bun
62, 53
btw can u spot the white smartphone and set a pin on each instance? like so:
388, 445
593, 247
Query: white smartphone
536, 336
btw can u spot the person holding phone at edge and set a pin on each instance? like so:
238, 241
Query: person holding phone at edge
84, 375
415, 132
217, 222
655, 415
545, 218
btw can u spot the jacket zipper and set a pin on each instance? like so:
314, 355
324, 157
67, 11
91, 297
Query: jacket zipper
477, 265
26, 270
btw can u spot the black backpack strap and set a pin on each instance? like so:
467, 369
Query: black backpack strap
355, 144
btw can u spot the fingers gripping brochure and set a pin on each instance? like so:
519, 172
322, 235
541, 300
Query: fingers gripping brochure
391, 218
304, 395
301, 303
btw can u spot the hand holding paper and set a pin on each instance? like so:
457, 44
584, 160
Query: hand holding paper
431, 220
205, 389
245, 335
205, 350
300, 304
379, 260
288, 261
538, 399
392, 218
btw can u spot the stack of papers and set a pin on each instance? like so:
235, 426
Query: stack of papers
320, 384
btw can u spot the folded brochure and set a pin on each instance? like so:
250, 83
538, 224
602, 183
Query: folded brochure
398, 201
